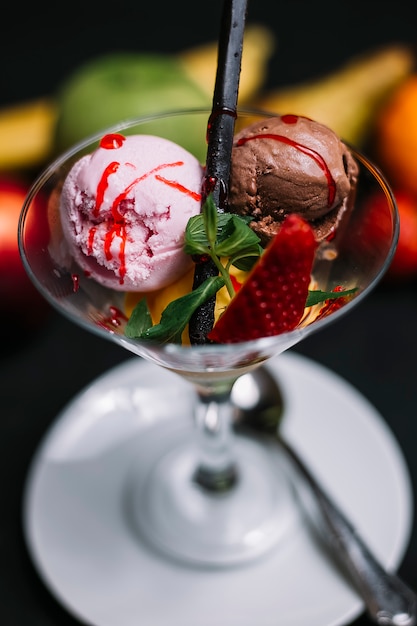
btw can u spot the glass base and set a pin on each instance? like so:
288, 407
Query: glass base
182, 520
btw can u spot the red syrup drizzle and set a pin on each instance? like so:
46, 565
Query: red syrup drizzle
292, 119
209, 184
75, 282
115, 319
171, 183
114, 141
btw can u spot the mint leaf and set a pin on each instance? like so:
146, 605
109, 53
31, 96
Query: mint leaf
210, 216
247, 260
238, 237
203, 229
246, 263
139, 321
195, 238
177, 314
317, 296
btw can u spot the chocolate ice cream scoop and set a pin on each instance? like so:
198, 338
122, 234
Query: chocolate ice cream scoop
291, 164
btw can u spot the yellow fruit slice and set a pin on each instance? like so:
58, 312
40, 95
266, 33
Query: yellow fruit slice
223, 297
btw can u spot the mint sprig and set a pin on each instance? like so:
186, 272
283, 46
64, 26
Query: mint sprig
220, 236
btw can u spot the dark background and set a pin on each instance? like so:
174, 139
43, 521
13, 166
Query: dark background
374, 347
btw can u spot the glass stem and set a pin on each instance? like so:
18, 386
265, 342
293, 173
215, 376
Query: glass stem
213, 415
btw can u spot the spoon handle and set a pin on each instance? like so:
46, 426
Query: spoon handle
388, 600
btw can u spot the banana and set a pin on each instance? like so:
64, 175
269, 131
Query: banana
346, 100
26, 134
200, 63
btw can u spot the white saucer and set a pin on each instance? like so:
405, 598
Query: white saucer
83, 550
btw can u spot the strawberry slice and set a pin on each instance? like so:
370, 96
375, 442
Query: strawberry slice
272, 299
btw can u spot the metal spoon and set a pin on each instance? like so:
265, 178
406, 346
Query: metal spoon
389, 602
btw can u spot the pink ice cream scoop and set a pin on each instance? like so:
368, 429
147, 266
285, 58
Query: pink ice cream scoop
124, 209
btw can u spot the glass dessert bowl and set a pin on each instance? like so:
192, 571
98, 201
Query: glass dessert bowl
197, 491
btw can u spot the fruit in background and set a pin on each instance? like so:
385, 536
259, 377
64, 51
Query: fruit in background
347, 99
200, 63
19, 297
114, 87
26, 132
404, 263
395, 142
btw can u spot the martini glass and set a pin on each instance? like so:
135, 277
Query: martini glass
196, 491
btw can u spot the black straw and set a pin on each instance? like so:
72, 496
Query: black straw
220, 132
